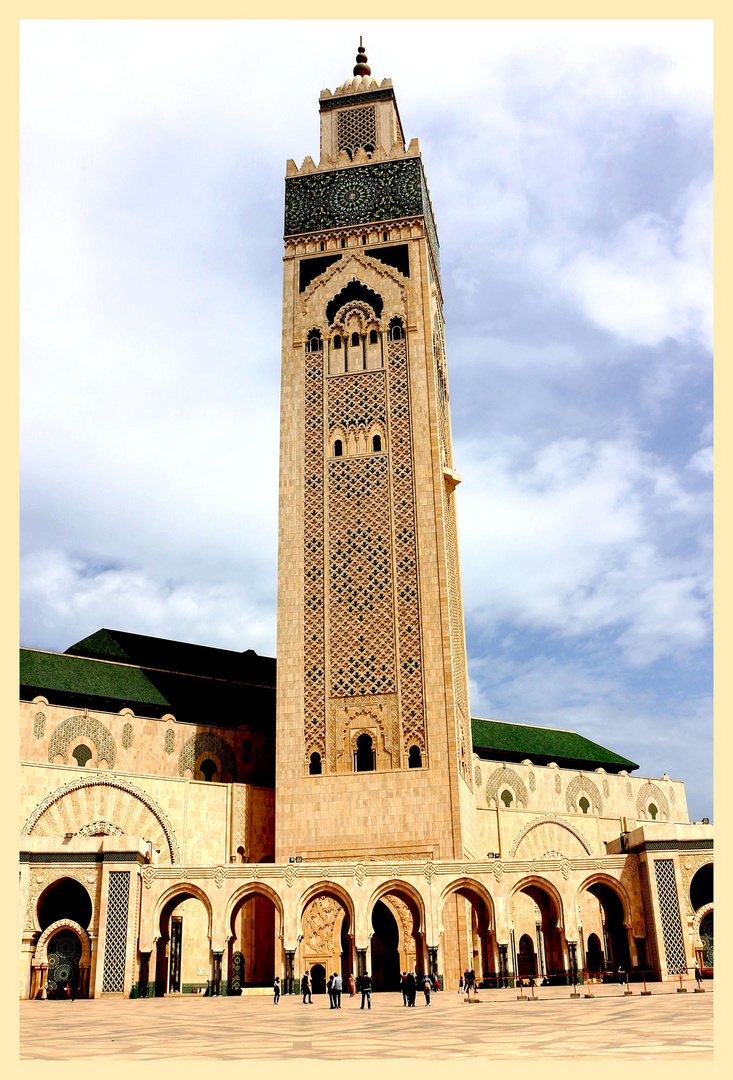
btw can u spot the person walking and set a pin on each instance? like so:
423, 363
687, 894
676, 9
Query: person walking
329, 987
352, 985
698, 973
460, 985
338, 985
305, 986
620, 973
276, 991
366, 990
427, 986
403, 988
411, 988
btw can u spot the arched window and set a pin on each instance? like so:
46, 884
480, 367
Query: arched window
208, 769
355, 340
396, 330
82, 754
385, 237
337, 341
653, 811
343, 242
338, 448
365, 756
314, 344
506, 797
315, 767
584, 805
376, 447
414, 758
373, 337
363, 240
323, 246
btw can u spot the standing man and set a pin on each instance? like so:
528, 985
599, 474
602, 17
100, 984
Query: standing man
329, 987
411, 988
276, 991
338, 985
403, 987
698, 973
305, 986
366, 990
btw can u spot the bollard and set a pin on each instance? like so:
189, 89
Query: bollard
645, 992
589, 984
574, 992
531, 983
521, 996
627, 992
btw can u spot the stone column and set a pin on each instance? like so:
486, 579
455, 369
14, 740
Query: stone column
361, 961
216, 974
289, 964
433, 959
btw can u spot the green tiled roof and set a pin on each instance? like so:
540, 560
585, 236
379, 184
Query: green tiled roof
512, 742
152, 676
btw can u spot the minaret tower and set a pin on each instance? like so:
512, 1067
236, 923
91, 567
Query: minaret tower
373, 722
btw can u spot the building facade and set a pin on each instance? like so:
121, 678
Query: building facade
196, 819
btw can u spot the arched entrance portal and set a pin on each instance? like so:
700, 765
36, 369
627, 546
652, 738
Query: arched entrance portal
467, 942
536, 914
396, 943
64, 954
706, 937
603, 930
255, 930
327, 940
65, 899
526, 958
183, 953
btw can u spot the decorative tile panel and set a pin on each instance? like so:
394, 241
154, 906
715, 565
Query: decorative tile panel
115, 938
669, 908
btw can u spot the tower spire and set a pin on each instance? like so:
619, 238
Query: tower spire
361, 67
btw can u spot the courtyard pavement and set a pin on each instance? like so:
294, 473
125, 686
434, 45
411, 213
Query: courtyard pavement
664, 1026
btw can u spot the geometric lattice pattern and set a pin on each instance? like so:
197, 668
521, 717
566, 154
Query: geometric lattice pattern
39, 725
356, 128
357, 401
87, 727
532, 782
169, 742
314, 697
115, 938
361, 624
651, 793
405, 545
207, 742
669, 908
500, 778
127, 736
582, 785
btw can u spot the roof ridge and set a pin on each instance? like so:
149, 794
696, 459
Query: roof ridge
516, 723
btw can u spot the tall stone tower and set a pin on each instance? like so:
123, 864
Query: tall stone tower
373, 723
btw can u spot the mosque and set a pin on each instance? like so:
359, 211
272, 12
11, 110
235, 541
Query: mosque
198, 820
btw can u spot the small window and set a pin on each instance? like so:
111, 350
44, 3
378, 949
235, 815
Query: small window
414, 758
373, 337
82, 755
337, 341
355, 341
323, 246
365, 756
315, 767
343, 242
363, 240
653, 811
507, 798
208, 769
338, 448
396, 331
377, 447
385, 237
315, 344
584, 805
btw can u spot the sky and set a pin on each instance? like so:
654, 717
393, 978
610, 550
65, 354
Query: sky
570, 171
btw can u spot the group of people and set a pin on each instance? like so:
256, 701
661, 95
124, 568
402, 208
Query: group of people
409, 982
335, 987
467, 982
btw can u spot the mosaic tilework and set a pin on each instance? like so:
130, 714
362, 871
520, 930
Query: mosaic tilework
169, 743
674, 946
127, 736
115, 938
39, 725
88, 728
327, 104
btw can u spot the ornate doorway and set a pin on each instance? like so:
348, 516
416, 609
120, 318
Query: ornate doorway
64, 954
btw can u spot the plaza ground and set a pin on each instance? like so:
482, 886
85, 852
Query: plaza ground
664, 1026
